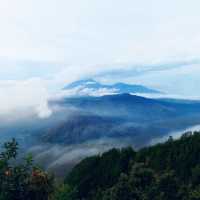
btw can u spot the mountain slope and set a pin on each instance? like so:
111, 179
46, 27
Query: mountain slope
132, 107
169, 171
90, 86
122, 116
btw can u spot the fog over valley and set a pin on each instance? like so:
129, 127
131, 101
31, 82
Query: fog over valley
88, 122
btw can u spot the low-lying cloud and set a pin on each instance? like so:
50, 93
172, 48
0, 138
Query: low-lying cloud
59, 159
29, 96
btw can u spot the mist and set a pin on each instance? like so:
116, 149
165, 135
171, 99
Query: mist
27, 97
174, 134
59, 159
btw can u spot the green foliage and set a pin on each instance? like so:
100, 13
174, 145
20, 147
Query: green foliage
167, 187
169, 171
62, 192
121, 191
196, 175
22, 181
99, 172
195, 194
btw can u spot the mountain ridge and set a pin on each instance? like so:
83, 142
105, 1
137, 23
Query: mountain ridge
116, 88
121, 115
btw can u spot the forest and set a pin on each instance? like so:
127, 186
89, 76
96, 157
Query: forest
165, 171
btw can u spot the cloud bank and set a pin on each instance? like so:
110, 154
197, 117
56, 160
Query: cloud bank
29, 96
63, 41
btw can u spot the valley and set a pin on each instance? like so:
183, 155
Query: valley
84, 125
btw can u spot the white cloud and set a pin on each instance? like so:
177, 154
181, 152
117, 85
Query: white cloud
61, 41
30, 96
84, 91
181, 81
96, 32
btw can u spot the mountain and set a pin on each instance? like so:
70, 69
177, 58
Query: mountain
86, 125
121, 116
133, 107
94, 88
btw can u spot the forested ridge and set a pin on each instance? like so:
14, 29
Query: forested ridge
168, 171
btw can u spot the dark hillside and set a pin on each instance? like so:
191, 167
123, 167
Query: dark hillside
164, 171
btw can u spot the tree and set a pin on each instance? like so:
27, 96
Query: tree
195, 194
63, 192
121, 191
142, 180
22, 181
196, 175
167, 187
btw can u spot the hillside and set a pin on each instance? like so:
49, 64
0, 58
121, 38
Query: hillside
121, 116
169, 171
85, 126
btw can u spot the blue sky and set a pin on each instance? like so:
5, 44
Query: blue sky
53, 42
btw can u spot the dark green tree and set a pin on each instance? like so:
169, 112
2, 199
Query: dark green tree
121, 191
22, 181
167, 187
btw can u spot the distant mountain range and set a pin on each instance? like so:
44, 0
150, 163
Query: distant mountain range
99, 117
94, 88
122, 116
86, 125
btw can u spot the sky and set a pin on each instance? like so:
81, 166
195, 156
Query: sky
47, 44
